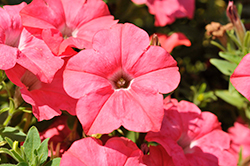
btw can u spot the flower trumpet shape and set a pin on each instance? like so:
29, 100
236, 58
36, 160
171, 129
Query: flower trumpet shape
120, 81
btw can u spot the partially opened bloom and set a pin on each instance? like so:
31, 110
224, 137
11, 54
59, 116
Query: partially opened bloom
172, 41
240, 134
47, 99
241, 77
192, 137
64, 24
90, 151
17, 45
120, 81
166, 11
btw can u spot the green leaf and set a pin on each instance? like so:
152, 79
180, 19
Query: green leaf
9, 141
234, 39
54, 162
12, 153
232, 98
230, 57
218, 45
12, 133
132, 135
4, 110
7, 151
7, 165
22, 164
240, 156
32, 142
35, 161
43, 151
225, 67
246, 43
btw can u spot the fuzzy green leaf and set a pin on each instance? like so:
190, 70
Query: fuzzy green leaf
22, 164
43, 151
230, 57
232, 98
12, 133
54, 162
12, 153
32, 142
225, 67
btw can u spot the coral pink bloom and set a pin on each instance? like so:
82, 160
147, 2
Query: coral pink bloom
241, 77
47, 99
192, 137
64, 23
116, 152
172, 41
157, 157
17, 45
10, 30
119, 81
240, 134
166, 11
60, 136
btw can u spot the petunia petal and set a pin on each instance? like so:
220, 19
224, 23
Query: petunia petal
241, 77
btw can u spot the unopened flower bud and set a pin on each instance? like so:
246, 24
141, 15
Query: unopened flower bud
155, 40
232, 14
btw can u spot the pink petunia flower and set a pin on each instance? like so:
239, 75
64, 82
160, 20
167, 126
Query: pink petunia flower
120, 81
64, 23
166, 11
61, 136
17, 45
172, 41
240, 134
90, 151
241, 77
192, 137
47, 99
157, 157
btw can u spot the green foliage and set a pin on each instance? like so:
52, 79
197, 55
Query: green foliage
12, 133
32, 153
224, 66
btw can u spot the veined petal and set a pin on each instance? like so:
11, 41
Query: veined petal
8, 56
164, 80
37, 57
241, 77
43, 14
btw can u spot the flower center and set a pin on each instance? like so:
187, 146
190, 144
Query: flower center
122, 83
120, 80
